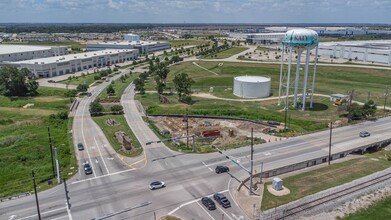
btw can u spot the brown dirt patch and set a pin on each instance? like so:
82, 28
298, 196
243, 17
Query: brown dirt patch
48, 99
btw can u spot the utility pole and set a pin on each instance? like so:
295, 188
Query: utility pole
51, 152
251, 162
187, 131
67, 194
331, 132
385, 98
286, 111
36, 195
57, 166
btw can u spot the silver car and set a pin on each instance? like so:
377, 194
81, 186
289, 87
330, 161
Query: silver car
156, 185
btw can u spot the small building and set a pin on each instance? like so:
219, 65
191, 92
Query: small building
131, 37
277, 184
339, 97
265, 38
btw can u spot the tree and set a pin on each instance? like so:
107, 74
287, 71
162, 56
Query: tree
182, 84
13, 82
162, 71
369, 108
159, 85
123, 78
110, 90
82, 88
96, 108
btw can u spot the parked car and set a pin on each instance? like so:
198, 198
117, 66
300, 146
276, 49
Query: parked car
87, 169
222, 200
51, 81
157, 185
88, 94
80, 146
208, 203
364, 134
221, 169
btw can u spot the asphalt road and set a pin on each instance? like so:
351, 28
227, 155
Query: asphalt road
119, 184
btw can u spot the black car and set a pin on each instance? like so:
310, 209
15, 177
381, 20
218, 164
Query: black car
87, 169
221, 169
364, 134
51, 81
222, 200
80, 146
208, 203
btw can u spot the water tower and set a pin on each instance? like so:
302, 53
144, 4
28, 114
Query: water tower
299, 40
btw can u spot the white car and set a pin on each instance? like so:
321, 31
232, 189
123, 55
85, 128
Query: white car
156, 185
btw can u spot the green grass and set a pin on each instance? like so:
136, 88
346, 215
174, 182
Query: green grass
379, 210
323, 178
226, 53
24, 140
119, 86
109, 132
87, 79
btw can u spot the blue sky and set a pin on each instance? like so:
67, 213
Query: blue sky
197, 11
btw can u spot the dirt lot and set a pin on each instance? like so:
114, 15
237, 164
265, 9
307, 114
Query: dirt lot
231, 131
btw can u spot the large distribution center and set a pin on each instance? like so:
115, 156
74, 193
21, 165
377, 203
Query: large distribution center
144, 47
252, 86
55, 66
22, 52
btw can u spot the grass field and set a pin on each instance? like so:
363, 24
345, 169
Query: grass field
24, 140
180, 43
226, 53
87, 79
315, 181
109, 132
380, 210
119, 86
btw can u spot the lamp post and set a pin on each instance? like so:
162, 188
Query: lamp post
385, 98
331, 132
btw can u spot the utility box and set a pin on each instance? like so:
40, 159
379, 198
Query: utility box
277, 183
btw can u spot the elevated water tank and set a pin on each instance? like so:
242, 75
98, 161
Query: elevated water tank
252, 86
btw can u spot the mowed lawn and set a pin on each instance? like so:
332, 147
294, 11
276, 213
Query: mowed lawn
311, 182
186, 42
226, 53
87, 79
24, 144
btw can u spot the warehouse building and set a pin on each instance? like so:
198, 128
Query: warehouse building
55, 66
14, 53
265, 38
143, 47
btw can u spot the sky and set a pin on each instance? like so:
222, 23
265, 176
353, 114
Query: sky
196, 11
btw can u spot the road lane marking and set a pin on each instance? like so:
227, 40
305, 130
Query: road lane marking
233, 199
223, 212
98, 177
42, 213
206, 211
192, 201
84, 139
104, 163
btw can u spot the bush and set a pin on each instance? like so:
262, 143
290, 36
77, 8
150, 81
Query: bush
70, 93
96, 77
116, 109
59, 116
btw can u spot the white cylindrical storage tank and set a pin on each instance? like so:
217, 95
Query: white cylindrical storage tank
252, 86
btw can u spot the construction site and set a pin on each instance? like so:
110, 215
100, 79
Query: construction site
221, 132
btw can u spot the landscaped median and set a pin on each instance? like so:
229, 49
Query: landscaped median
107, 113
314, 181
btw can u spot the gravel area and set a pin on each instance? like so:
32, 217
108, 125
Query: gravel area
344, 205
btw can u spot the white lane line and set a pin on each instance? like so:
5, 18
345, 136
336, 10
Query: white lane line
206, 211
64, 216
98, 177
42, 213
225, 214
233, 199
207, 166
191, 202
69, 212
84, 139
104, 163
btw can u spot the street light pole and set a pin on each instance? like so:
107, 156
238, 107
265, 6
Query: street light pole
331, 132
51, 152
36, 195
251, 162
385, 98
187, 131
